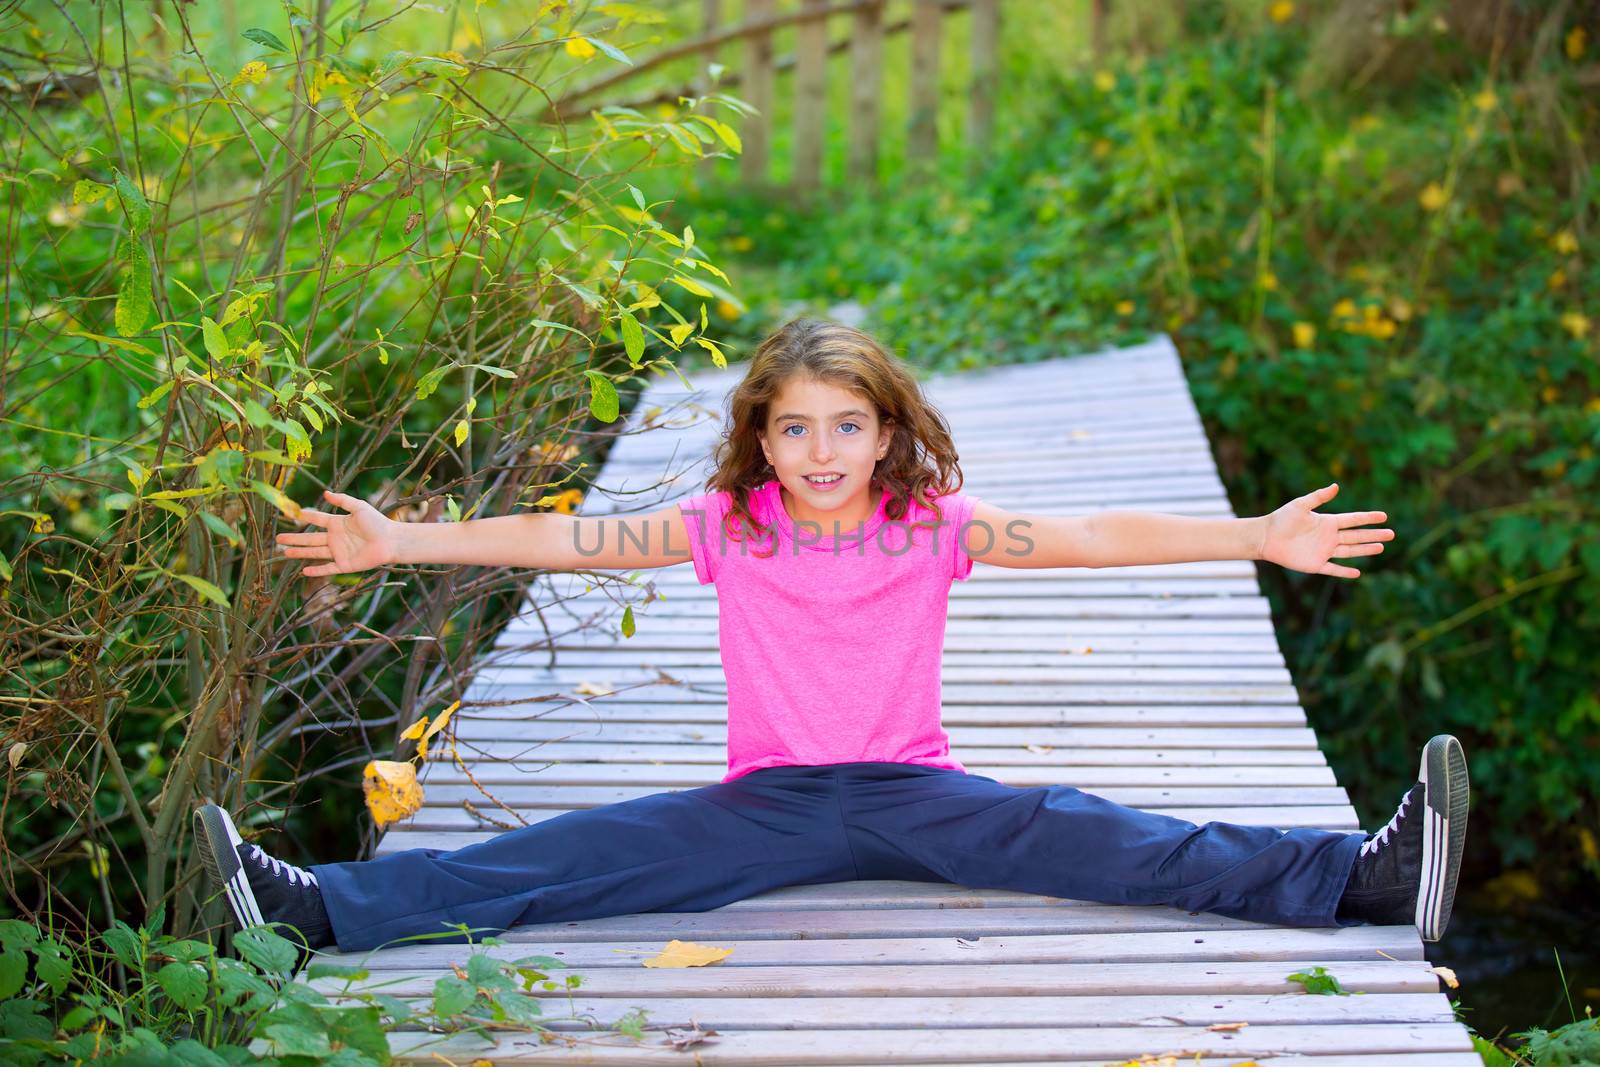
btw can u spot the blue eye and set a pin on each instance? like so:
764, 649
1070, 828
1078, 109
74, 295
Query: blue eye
797, 426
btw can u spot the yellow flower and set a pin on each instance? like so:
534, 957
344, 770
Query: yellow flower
1281, 10
1577, 41
1549, 394
727, 310
1576, 323
1269, 281
742, 243
1558, 278
1305, 335
1564, 242
578, 48
1105, 81
1124, 307
567, 503
254, 72
1432, 197
1486, 100
1344, 309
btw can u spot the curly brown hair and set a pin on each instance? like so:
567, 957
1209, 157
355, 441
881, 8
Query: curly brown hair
921, 460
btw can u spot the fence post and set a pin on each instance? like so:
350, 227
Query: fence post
866, 92
922, 142
757, 86
711, 11
810, 97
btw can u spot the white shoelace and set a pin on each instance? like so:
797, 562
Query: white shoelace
297, 875
1377, 840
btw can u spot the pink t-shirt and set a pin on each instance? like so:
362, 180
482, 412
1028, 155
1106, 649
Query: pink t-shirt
832, 647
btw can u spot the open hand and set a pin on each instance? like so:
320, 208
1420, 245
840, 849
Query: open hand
359, 541
1302, 540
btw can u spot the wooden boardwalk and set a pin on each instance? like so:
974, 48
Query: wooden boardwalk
1158, 687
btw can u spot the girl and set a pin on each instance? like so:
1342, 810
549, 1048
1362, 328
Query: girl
832, 528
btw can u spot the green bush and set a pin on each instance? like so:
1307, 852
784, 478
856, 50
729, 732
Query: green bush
137, 996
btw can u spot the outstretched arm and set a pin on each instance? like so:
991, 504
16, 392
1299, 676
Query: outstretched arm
1294, 536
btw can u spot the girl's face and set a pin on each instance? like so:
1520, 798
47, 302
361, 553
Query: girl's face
815, 429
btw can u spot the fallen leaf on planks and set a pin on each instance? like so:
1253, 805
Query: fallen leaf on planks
593, 689
1447, 974
687, 954
1227, 1026
391, 790
680, 1038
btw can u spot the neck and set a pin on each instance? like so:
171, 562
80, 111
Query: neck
850, 514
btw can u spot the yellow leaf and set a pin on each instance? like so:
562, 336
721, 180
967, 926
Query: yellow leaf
1576, 323
417, 732
254, 73
1221, 1027
438, 724
579, 48
1305, 335
461, 432
687, 954
593, 689
391, 790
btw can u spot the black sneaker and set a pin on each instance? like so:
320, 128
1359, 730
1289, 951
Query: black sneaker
262, 889
1407, 871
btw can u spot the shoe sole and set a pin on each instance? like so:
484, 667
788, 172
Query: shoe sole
1444, 832
219, 853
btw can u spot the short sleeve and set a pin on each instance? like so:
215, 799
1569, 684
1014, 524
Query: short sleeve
702, 518
958, 509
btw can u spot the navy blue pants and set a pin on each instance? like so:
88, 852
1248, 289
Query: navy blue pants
697, 849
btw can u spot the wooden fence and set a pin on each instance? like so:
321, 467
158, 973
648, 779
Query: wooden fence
865, 25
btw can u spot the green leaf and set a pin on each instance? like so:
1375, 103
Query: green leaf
267, 950
451, 996
13, 972
603, 402
157, 393
430, 381
134, 204
265, 38
216, 344
123, 943
560, 326
255, 414
133, 287
205, 589
185, 983
611, 50
1319, 981
293, 1039
498, 372
14, 933
638, 198
54, 968
222, 528
632, 337
627, 621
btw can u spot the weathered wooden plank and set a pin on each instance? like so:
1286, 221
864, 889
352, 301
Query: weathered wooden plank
517, 785
1007, 719
993, 762
1008, 965
1173, 737
783, 1048
900, 1012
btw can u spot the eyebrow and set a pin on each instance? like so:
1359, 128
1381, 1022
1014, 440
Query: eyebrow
840, 415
